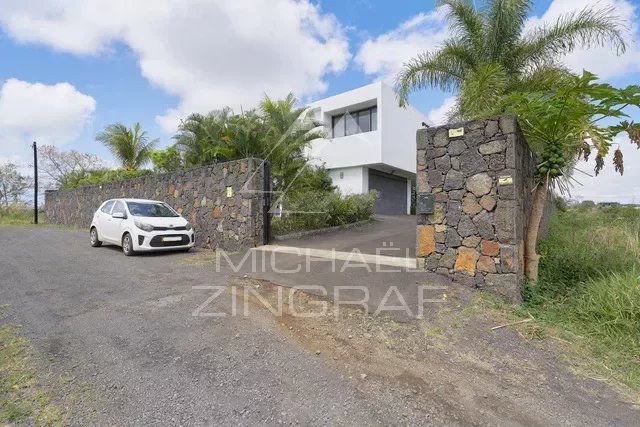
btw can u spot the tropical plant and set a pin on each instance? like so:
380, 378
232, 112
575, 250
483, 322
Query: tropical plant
130, 146
166, 160
288, 131
278, 131
563, 126
202, 137
489, 53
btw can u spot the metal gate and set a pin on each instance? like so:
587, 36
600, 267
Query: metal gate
392, 198
266, 202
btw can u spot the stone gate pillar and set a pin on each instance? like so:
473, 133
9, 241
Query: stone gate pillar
474, 183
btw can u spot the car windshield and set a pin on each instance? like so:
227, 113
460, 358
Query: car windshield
151, 209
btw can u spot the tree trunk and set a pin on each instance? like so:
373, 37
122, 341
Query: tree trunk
531, 239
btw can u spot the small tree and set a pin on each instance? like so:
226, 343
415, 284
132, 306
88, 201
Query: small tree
130, 146
56, 165
563, 126
13, 185
167, 160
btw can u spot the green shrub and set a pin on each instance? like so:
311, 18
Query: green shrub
314, 210
167, 160
101, 176
312, 178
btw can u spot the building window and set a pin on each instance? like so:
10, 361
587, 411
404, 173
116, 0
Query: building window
353, 122
338, 126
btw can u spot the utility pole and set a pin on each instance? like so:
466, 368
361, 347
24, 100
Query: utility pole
35, 183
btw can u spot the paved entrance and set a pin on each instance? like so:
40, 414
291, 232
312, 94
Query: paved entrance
332, 260
397, 233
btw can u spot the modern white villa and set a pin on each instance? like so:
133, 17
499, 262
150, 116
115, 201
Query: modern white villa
370, 144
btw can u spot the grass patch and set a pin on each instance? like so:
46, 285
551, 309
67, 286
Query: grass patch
22, 399
15, 215
588, 293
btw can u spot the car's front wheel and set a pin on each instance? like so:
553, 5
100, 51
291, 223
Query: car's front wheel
93, 238
127, 245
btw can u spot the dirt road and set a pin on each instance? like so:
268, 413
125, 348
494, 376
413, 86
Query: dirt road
116, 340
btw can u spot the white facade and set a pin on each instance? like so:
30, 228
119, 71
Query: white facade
389, 150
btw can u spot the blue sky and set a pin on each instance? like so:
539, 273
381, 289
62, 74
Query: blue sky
71, 67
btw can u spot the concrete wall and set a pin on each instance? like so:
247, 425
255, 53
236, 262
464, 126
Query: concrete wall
351, 180
199, 194
398, 131
481, 182
392, 144
353, 150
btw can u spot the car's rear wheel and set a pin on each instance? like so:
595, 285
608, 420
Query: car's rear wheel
93, 238
127, 244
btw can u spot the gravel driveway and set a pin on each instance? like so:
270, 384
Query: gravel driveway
120, 332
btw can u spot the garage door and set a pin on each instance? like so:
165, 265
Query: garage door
392, 191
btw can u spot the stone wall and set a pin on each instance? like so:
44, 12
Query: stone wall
480, 175
199, 194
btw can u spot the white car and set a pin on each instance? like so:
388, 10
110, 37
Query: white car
140, 225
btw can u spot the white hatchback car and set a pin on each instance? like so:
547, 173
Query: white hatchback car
140, 225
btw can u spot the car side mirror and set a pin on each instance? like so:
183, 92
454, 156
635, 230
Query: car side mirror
119, 215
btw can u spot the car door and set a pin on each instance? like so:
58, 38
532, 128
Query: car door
102, 216
113, 225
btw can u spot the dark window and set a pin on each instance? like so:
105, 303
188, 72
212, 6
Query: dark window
151, 209
364, 120
107, 206
374, 118
351, 123
119, 207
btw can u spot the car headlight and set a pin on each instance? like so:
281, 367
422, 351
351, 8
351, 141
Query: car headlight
188, 226
144, 227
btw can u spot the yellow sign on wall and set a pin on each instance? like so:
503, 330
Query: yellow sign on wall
229, 192
505, 180
456, 132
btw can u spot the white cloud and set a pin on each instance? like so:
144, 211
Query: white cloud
438, 116
49, 114
384, 55
609, 185
208, 53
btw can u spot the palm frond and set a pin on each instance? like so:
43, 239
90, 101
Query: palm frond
428, 70
584, 29
542, 79
466, 23
457, 51
505, 22
482, 91
129, 145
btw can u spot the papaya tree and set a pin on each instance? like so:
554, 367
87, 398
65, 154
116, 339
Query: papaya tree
578, 119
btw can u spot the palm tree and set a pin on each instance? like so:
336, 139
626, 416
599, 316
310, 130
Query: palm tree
130, 146
278, 131
289, 131
205, 138
490, 55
